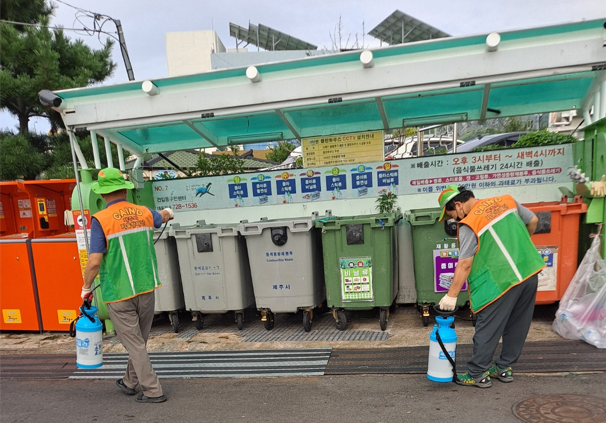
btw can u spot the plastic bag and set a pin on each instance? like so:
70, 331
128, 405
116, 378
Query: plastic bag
582, 310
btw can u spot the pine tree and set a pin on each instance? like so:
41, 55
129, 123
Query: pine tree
33, 58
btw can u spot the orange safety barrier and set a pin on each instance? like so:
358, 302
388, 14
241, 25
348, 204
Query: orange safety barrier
557, 239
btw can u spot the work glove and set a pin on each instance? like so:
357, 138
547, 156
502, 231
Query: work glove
170, 213
87, 294
598, 188
448, 303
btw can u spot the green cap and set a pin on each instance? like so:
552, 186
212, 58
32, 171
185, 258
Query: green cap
110, 179
450, 192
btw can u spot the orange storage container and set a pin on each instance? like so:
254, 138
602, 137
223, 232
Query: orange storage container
557, 239
29, 209
18, 295
59, 280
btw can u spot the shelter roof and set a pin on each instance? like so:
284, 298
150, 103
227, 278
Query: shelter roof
415, 84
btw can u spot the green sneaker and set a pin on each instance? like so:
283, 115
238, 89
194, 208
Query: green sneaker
504, 375
482, 381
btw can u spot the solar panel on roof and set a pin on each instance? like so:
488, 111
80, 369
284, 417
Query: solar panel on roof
268, 38
399, 28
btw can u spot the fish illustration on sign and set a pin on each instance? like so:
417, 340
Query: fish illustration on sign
204, 190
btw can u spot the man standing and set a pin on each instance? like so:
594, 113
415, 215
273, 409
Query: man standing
122, 253
501, 264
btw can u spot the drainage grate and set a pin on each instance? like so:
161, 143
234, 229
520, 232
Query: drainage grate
185, 365
288, 327
561, 409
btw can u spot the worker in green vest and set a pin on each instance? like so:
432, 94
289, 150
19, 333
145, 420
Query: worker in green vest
501, 264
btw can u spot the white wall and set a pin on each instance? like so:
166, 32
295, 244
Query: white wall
351, 207
190, 52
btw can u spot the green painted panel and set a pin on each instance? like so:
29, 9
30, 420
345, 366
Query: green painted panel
161, 134
434, 105
240, 126
572, 90
354, 115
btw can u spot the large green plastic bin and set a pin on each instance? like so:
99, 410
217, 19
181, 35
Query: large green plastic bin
360, 264
435, 257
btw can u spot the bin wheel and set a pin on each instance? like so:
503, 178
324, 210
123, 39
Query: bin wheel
341, 320
269, 322
174, 321
383, 319
307, 321
200, 322
425, 320
240, 320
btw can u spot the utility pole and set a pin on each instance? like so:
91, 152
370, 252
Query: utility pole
129, 68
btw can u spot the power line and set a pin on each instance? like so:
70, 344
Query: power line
58, 27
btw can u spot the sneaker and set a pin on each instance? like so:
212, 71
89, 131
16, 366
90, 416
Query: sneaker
125, 389
143, 398
482, 381
504, 375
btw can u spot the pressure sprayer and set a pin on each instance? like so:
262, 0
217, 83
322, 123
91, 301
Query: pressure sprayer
441, 366
89, 337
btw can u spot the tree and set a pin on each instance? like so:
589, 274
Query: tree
33, 58
280, 152
19, 159
221, 164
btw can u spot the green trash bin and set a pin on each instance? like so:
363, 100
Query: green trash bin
360, 264
435, 256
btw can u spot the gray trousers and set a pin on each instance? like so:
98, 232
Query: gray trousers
132, 320
509, 317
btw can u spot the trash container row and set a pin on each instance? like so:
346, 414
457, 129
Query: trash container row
281, 266
344, 263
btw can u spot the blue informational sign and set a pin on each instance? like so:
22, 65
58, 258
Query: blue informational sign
286, 186
238, 190
361, 180
311, 185
387, 178
334, 182
261, 189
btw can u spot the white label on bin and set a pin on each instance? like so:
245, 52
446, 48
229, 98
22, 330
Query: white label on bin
356, 279
548, 277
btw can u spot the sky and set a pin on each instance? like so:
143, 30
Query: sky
145, 23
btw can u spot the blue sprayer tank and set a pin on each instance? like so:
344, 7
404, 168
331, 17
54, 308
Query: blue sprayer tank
89, 338
439, 368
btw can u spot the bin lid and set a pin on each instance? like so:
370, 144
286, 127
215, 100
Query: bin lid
420, 217
378, 220
221, 230
65, 237
300, 224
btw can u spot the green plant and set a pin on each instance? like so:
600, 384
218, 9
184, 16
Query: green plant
280, 152
490, 147
543, 137
221, 164
387, 203
19, 159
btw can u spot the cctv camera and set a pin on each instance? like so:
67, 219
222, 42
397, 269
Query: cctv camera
48, 98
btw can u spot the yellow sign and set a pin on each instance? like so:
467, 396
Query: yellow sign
12, 316
331, 150
66, 316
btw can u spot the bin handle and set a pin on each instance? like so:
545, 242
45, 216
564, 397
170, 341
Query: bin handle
251, 230
228, 232
421, 219
301, 226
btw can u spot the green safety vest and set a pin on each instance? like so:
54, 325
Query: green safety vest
506, 255
129, 266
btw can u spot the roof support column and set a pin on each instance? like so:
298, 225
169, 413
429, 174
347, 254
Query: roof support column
108, 152
121, 157
93, 141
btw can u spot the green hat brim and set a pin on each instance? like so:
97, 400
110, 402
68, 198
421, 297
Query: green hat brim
111, 188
